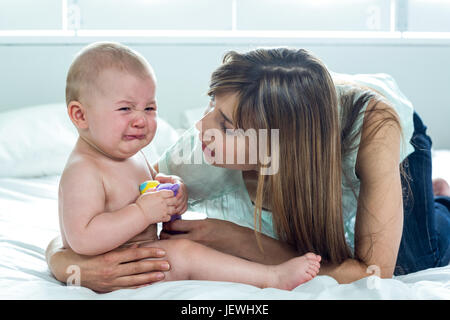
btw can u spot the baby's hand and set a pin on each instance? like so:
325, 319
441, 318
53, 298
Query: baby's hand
157, 206
182, 195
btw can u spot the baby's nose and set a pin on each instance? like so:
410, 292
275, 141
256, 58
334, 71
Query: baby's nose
138, 122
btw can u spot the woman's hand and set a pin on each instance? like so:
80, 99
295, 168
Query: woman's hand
182, 195
214, 233
123, 268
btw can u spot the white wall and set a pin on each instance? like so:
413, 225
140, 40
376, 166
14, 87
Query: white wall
35, 73
185, 40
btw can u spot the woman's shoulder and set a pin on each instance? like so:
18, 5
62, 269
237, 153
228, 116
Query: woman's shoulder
381, 130
382, 84
378, 111
355, 89
388, 102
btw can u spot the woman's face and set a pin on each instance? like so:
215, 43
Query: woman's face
223, 145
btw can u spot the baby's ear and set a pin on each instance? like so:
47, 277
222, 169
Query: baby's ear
77, 113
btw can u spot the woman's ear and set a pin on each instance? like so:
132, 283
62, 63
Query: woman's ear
77, 113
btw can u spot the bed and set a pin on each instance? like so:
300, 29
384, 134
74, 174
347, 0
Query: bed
32, 159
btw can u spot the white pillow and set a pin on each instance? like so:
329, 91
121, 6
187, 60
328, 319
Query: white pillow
37, 140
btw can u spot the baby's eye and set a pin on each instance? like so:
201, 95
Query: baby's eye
124, 109
151, 108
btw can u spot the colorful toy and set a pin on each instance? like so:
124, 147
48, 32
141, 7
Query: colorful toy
150, 184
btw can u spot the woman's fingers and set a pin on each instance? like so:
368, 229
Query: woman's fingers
144, 266
127, 282
133, 267
134, 254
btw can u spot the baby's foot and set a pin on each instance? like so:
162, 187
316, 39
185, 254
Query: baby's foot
441, 187
294, 272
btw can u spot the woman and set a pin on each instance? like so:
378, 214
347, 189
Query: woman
352, 180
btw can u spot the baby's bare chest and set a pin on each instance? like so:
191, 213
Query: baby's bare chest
121, 185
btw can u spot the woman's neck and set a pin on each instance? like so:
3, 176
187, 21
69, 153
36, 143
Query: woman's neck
251, 183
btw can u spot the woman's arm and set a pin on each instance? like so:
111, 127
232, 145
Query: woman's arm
117, 269
231, 238
379, 218
267, 250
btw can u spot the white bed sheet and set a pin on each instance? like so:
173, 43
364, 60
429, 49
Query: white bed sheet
28, 221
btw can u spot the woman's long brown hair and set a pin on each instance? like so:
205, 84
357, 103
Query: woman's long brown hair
292, 91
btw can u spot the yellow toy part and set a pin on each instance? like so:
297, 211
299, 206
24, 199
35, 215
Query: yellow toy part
150, 184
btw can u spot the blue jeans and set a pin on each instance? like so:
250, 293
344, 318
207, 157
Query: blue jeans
426, 224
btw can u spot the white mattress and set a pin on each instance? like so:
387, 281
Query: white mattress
28, 221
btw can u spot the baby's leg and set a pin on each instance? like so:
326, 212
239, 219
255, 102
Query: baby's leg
192, 261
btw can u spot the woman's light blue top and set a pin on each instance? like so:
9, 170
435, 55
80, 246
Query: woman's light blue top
221, 193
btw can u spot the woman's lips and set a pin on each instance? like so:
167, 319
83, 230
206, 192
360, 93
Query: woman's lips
208, 151
205, 149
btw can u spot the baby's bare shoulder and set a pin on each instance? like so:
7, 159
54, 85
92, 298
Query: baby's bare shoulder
80, 167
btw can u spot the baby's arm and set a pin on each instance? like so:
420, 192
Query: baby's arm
87, 228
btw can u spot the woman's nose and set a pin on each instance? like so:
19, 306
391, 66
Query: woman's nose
200, 124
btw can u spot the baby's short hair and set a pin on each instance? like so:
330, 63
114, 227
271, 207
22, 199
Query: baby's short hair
99, 56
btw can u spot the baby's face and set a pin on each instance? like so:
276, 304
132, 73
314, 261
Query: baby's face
121, 113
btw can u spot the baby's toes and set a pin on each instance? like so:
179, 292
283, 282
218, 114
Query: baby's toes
310, 256
314, 269
313, 257
316, 264
311, 273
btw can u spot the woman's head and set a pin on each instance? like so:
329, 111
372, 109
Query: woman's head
266, 89
291, 91
271, 83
